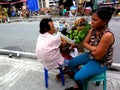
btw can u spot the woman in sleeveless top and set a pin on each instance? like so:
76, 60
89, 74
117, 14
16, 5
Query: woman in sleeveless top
99, 42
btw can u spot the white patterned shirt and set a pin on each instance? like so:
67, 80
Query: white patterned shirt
48, 51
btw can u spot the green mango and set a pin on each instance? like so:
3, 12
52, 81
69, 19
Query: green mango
70, 32
75, 31
71, 37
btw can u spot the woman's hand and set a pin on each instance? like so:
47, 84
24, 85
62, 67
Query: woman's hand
63, 44
86, 43
93, 49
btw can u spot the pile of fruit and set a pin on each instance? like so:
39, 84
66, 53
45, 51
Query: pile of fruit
79, 31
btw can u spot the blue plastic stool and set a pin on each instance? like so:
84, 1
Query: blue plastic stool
46, 77
97, 78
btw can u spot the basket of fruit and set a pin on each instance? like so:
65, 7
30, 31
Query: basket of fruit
79, 31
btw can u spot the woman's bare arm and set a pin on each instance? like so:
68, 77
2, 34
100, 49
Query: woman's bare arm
106, 40
86, 42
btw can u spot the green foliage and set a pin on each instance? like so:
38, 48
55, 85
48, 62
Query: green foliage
79, 36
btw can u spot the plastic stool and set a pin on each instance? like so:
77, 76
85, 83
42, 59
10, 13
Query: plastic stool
97, 78
46, 77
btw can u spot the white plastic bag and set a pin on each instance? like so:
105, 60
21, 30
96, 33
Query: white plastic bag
74, 53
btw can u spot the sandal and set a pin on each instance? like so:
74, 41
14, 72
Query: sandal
58, 76
71, 88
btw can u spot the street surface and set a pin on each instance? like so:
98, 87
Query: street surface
27, 74
22, 36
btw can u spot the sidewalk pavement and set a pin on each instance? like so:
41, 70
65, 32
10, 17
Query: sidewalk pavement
27, 74
57, 18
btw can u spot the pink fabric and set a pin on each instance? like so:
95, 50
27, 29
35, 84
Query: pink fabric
47, 50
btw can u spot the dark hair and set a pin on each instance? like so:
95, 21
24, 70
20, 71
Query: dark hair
44, 25
104, 13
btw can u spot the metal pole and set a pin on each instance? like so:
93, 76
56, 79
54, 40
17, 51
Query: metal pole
76, 10
41, 3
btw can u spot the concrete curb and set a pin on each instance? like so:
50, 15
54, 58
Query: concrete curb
115, 66
18, 53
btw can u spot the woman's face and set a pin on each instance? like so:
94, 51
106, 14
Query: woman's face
96, 22
52, 28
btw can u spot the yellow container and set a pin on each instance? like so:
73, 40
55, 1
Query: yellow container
119, 14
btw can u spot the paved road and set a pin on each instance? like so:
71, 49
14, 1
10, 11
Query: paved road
22, 36
115, 27
19, 36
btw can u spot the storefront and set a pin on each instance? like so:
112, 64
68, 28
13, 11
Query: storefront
12, 6
9, 3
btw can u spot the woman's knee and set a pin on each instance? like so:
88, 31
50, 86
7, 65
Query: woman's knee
81, 59
78, 77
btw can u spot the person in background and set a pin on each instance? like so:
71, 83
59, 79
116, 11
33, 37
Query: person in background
88, 3
24, 8
65, 12
99, 42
